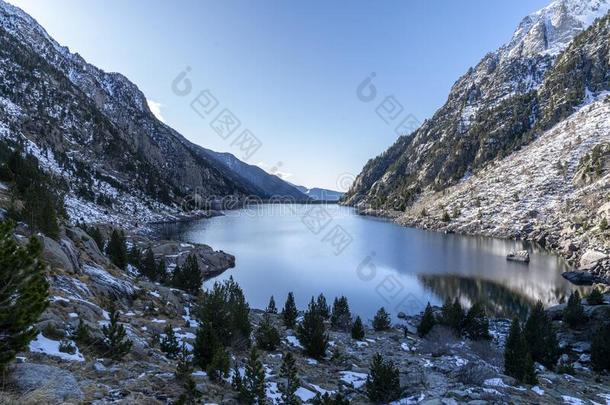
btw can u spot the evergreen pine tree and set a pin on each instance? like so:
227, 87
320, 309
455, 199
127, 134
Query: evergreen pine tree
574, 314
476, 324
117, 249
290, 380
312, 334
225, 307
23, 293
149, 266
219, 365
184, 365
427, 321
323, 307
529, 373
289, 313
82, 334
253, 383
206, 343
517, 360
115, 336
540, 337
271, 308
188, 277
267, 336
381, 321
600, 349
169, 343
358, 329
239, 310
134, 257
162, 271
453, 315
595, 297
341, 318
236, 380
383, 382
97, 237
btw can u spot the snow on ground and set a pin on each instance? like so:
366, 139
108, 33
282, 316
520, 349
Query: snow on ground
572, 401
322, 390
412, 400
495, 382
273, 392
294, 341
305, 394
605, 397
354, 378
538, 390
50, 347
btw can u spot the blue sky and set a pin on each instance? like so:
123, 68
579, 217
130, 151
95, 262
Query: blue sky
288, 70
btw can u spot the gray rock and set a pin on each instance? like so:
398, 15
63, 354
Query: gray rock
579, 277
591, 256
27, 377
519, 256
54, 255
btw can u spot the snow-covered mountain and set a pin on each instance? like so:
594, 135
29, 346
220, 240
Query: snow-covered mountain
482, 119
95, 129
486, 158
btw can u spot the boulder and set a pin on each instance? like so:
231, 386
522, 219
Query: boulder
591, 257
579, 277
54, 255
58, 383
86, 243
211, 262
519, 256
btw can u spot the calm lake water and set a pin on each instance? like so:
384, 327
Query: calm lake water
329, 249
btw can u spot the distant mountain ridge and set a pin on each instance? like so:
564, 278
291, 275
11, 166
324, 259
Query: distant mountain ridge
272, 185
321, 194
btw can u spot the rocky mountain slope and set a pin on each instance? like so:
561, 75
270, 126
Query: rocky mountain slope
491, 111
95, 130
518, 167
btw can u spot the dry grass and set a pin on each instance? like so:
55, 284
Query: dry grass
39, 396
438, 341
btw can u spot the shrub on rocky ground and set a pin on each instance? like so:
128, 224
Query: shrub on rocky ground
475, 373
438, 340
595, 297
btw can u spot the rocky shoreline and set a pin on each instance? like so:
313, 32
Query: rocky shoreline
591, 263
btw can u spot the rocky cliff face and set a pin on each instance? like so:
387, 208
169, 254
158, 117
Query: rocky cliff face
491, 111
